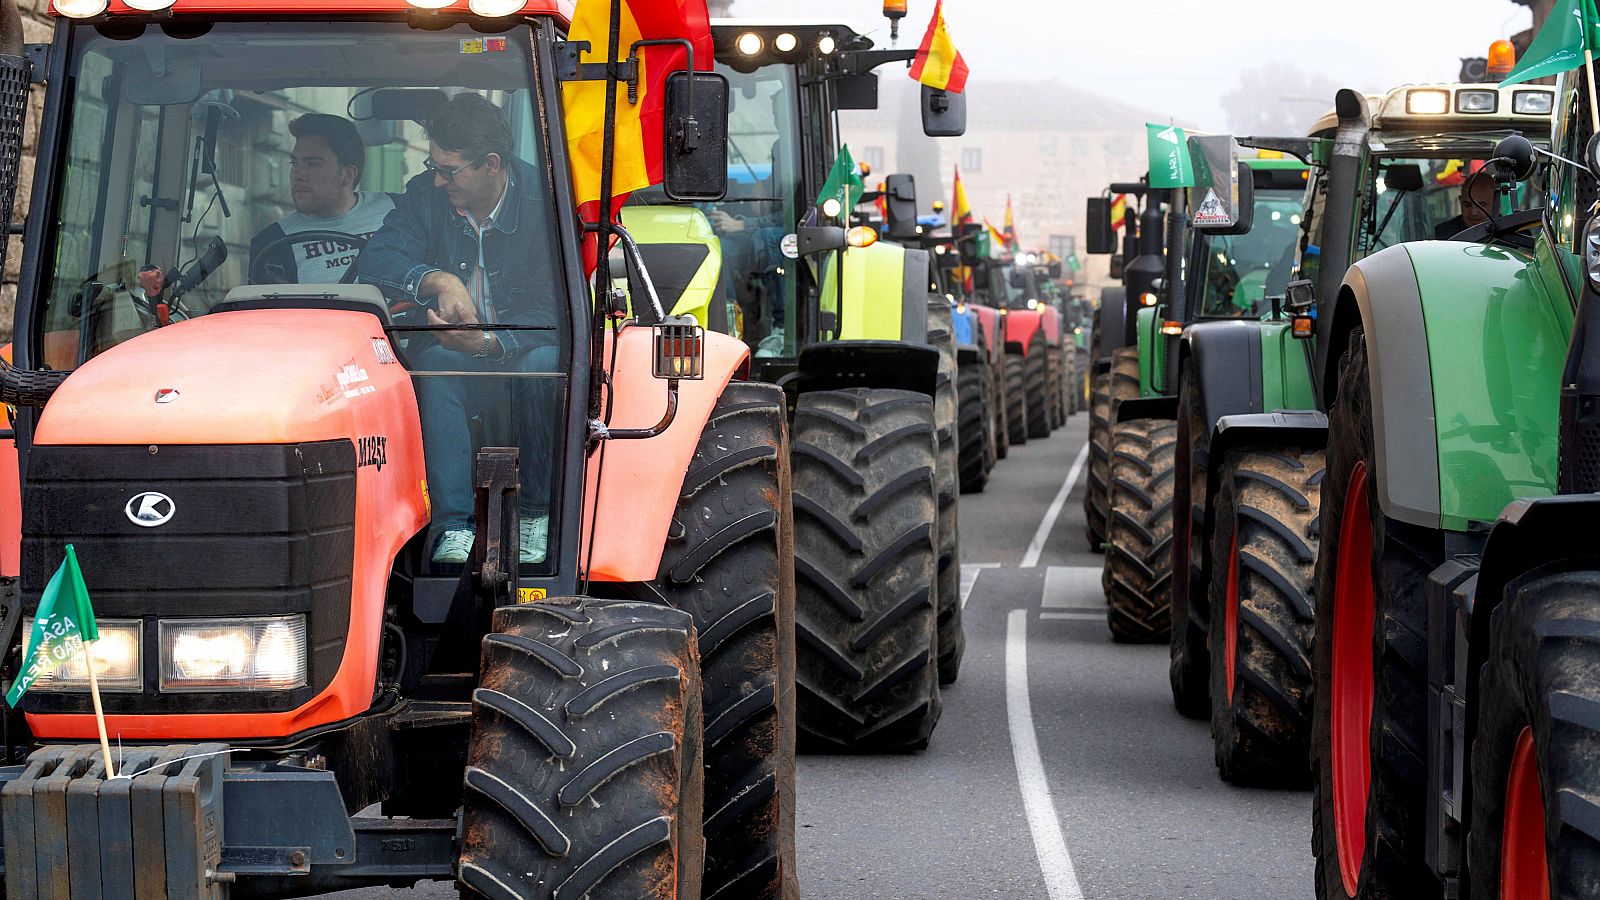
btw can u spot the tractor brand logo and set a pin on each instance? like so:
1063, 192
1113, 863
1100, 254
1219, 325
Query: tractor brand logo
351, 375
372, 451
166, 395
1169, 134
150, 509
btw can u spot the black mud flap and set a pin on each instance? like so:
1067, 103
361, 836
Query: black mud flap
892, 365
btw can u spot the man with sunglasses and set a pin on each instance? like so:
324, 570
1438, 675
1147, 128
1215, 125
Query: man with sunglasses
465, 243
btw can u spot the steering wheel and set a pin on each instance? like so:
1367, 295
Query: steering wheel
258, 259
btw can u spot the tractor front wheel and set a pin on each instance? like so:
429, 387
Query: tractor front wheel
1017, 399
1036, 368
947, 421
1138, 566
584, 776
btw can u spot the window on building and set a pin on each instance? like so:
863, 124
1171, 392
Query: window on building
972, 159
873, 157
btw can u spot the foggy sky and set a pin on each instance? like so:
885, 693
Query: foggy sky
1178, 57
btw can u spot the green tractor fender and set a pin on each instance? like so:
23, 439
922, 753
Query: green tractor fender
684, 257
1465, 344
1251, 384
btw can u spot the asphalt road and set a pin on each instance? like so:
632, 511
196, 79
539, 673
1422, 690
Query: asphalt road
1059, 769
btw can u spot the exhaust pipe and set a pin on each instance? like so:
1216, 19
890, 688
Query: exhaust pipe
1339, 216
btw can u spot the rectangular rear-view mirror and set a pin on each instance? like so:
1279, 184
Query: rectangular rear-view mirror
900, 202
1403, 177
1102, 238
943, 114
855, 91
695, 146
1222, 200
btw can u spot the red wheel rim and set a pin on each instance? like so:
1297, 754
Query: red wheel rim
1351, 697
1524, 870
1230, 636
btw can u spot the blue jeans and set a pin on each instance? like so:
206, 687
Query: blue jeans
530, 406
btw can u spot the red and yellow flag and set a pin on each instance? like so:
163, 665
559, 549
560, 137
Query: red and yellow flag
1119, 211
637, 154
997, 241
960, 209
938, 63
1011, 225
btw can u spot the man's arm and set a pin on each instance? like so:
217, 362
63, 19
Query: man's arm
396, 257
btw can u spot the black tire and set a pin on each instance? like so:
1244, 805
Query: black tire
1058, 416
728, 562
1110, 388
947, 419
1000, 375
1544, 647
1265, 544
976, 428
866, 558
1016, 399
1070, 400
1392, 836
584, 776
1037, 377
1189, 666
1137, 577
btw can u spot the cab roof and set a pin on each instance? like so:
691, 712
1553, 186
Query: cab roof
559, 9
1455, 107
843, 32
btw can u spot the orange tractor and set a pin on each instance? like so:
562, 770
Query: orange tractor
414, 557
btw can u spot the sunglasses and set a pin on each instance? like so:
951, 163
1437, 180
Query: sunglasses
448, 173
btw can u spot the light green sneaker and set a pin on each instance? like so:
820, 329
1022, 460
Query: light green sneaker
771, 345
454, 546
535, 536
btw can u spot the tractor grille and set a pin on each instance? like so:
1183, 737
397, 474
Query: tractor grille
248, 530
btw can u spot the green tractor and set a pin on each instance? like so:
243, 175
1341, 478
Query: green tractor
1453, 647
860, 337
1252, 438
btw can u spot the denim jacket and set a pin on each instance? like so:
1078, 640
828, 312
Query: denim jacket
425, 234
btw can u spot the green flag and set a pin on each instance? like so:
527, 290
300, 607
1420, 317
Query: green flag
1560, 43
844, 184
1170, 166
1073, 263
64, 622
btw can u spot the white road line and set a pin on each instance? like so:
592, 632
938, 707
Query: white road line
1060, 878
1036, 546
969, 577
1080, 614
1073, 587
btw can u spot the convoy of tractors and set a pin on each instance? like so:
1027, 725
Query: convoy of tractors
587, 435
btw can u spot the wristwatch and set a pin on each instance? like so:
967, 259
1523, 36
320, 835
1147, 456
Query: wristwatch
483, 352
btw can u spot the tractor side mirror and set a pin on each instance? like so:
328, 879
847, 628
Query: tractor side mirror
1102, 238
900, 201
1117, 266
1053, 269
814, 239
943, 114
695, 149
855, 91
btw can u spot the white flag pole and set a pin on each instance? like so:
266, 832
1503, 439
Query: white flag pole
99, 713
1588, 71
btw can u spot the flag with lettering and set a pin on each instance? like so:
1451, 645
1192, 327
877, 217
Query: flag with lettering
1170, 165
64, 622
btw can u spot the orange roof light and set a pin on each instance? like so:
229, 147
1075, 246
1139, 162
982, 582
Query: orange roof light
894, 9
1502, 57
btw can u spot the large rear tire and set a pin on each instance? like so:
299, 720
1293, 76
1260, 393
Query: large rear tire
1037, 377
1369, 658
584, 776
1058, 412
866, 558
1016, 398
1110, 388
947, 418
1189, 669
1265, 545
1534, 781
976, 427
729, 563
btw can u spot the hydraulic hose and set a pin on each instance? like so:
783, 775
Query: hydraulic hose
1338, 217
19, 387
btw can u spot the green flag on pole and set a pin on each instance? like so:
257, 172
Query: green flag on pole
64, 622
1560, 44
1170, 166
844, 185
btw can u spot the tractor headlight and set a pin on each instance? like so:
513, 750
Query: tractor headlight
1481, 102
256, 654
1533, 103
117, 662
1427, 102
80, 9
1591, 252
750, 43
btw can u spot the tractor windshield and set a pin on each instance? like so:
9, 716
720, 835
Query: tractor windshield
1238, 272
198, 160
1416, 200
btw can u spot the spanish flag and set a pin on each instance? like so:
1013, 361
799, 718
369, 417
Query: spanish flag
1011, 225
938, 63
1119, 211
960, 209
637, 154
996, 240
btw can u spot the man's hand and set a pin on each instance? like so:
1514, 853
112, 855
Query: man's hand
455, 308
725, 223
